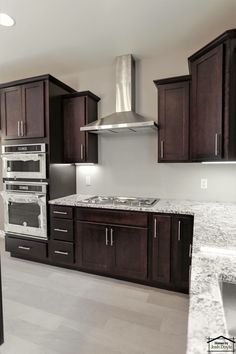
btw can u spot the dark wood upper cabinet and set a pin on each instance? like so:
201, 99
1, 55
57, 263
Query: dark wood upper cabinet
213, 104
79, 110
33, 110
207, 106
130, 251
22, 111
11, 112
173, 119
182, 235
161, 249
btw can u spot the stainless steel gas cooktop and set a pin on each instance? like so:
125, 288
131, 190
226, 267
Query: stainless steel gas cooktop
128, 201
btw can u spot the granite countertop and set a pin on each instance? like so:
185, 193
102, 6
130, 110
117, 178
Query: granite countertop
214, 258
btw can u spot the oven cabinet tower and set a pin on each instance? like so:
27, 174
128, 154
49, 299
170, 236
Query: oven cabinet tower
32, 115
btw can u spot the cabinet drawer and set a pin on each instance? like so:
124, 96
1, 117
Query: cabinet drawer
62, 229
131, 218
26, 247
62, 212
61, 252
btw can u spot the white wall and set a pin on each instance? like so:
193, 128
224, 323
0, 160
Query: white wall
127, 163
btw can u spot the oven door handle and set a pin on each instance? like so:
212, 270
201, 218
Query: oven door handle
40, 195
22, 198
23, 157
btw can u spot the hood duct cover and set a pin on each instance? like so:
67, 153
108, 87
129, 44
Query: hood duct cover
125, 117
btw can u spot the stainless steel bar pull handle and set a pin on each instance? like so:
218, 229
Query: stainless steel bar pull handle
189, 275
162, 149
190, 251
60, 212
216, 144
107, 240
179, 230
62, 253
22, 127
82, 151
61, 230
155, 228
18, 128
24, 248
112, 241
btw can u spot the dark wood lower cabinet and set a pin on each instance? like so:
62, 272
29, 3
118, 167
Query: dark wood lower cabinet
92, 249
26, 248
161, 249
118, 250
181, 255
130, 251
156, 254
61, 252
171, 250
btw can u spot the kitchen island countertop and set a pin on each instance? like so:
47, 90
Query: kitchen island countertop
213, 259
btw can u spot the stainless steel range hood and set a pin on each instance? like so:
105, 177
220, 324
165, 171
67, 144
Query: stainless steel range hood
125, 118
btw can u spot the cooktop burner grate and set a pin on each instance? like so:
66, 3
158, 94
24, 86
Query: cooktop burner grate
128, 201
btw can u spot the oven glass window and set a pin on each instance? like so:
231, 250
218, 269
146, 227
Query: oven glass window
23, 166
24, 214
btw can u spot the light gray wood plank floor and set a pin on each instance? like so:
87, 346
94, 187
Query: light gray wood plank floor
49, 310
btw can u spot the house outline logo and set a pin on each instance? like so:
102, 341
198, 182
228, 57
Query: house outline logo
221, 344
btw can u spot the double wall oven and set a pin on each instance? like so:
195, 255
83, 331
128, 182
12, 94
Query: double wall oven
25, 190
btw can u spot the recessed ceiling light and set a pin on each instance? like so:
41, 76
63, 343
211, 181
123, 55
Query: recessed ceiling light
6, 20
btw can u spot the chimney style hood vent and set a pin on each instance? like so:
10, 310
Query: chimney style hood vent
125, 118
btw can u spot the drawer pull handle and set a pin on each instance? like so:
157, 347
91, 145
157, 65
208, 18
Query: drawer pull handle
62, 253
61, 230
60, 212
24, 248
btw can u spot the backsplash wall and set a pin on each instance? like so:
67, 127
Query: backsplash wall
127, 162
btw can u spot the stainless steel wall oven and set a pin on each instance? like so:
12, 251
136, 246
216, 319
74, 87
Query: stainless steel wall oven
24, 161
25, 208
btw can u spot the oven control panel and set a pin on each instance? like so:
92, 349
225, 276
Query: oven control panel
25, 187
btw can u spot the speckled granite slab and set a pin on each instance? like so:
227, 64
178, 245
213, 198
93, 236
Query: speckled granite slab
214, 258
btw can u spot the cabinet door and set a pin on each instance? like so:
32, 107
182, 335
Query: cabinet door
130, 251
182, 236
74, 139
92, 247
173, 119
11, 112
33, 110
161, 248
207, 106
